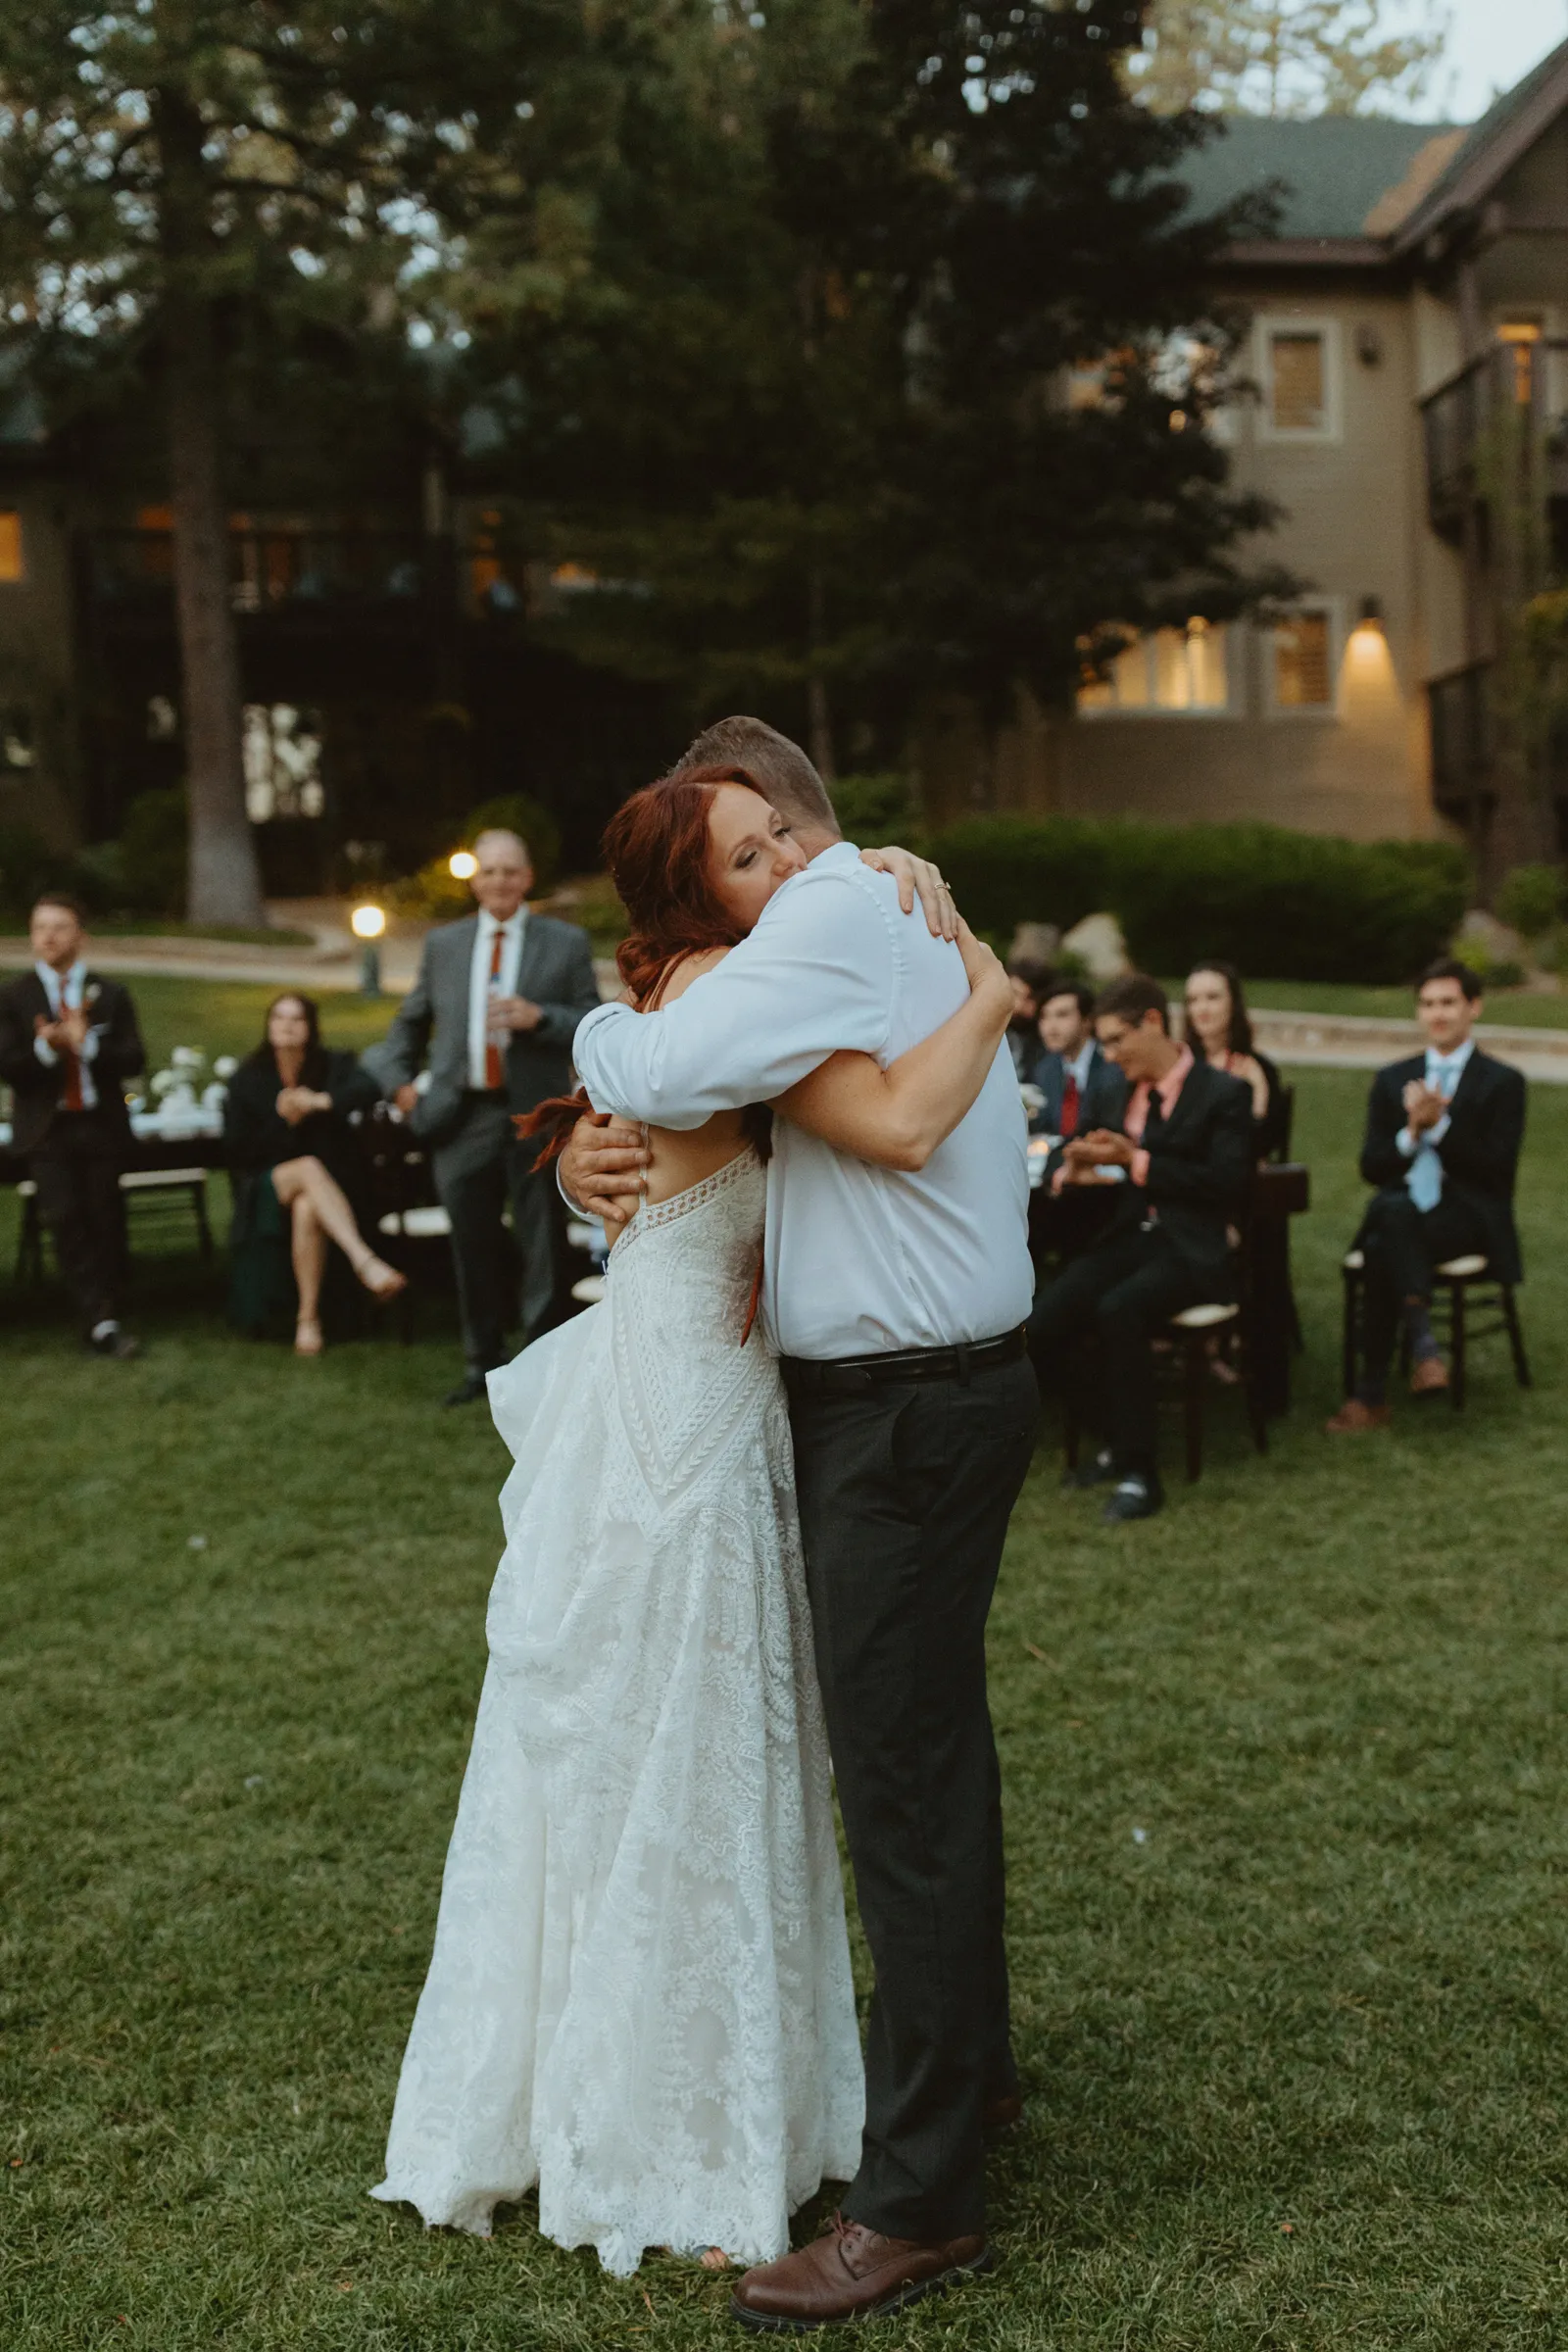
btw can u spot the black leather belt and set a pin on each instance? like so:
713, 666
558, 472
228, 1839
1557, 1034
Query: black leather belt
849, 1375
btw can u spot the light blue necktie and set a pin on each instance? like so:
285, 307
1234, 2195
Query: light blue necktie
1424, 1176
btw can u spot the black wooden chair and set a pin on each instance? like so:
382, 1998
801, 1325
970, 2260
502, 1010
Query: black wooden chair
1460, 1287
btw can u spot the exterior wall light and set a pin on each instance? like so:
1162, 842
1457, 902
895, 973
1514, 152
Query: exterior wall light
368, 923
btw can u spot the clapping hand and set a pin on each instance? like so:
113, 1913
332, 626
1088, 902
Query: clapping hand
1424, 1107
513, 1013
296, 1102
67, 1035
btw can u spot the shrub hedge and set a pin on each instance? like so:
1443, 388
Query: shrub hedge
1283, 906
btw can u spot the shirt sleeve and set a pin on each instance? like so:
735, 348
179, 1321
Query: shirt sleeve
814, 978
89, 1046
45, 1053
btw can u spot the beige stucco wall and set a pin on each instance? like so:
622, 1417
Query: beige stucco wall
1353, 527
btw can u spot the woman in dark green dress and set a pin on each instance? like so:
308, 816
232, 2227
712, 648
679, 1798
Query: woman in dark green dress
296, 1170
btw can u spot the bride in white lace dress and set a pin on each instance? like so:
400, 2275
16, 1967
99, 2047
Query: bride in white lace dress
640, 1995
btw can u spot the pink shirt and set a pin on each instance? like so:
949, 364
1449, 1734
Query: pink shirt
1136, 1115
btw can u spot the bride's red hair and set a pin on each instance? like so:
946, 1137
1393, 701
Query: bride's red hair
657, 848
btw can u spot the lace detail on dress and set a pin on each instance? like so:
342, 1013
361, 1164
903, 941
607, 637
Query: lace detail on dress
640, 1992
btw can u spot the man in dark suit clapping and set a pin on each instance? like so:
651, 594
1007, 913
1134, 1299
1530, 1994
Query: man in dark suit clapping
1444, 1131
67, 1041
497, 1004
1181, 1168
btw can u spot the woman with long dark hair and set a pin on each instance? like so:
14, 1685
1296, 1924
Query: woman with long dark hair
1219, 1029
297, 1166
640, 1993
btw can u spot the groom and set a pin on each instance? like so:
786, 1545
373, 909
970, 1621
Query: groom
897, 1301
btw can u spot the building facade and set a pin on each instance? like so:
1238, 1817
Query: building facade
1407, 410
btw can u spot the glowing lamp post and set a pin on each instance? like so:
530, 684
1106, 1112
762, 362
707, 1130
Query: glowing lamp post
463, 865
369, 923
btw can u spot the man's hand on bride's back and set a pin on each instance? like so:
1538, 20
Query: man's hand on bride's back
601, 1167
918, 878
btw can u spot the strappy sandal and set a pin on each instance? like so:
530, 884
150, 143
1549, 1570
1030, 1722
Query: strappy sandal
382, 1281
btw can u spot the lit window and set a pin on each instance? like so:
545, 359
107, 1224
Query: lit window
10, 545
1303, 662
282, 753
17, 750
1171, 669
1522, 335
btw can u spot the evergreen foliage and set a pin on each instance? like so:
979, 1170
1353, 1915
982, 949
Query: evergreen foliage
1287, 56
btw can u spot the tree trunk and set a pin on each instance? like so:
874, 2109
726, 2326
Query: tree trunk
226, 882
224, 879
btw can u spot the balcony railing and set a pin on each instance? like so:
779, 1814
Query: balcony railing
283, 570
1500, 425
1462, 736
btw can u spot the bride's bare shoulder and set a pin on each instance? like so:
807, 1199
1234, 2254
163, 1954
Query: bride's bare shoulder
690, 968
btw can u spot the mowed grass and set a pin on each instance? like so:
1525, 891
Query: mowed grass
1296, 2056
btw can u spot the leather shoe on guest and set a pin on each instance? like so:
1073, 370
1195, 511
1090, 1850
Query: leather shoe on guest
1429, 1377
1354, 1419
1135, 1497
115, 1346
1000, 2114
469, 1391
852, 2274
1099, 1472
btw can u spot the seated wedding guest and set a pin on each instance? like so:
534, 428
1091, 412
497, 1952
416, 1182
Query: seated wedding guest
1082, 1089
1219, 1029
1444, 1131
67, 1041
1029, 982
1181, 1168
299, 1170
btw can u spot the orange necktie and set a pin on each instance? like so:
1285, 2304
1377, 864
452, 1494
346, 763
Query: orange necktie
495, 1071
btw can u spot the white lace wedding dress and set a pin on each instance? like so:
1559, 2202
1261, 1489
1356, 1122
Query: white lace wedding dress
640, 1991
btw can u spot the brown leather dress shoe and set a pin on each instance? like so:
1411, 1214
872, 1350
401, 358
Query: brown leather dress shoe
1429, 1376
851, 2274
1000, 2114
1354, 1418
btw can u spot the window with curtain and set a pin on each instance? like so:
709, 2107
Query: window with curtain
1168, 670
1304, 662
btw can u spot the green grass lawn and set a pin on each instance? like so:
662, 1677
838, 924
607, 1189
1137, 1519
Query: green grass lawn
1296, 2056
1508, 1008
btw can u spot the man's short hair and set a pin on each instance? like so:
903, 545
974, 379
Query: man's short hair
1449, 967
64, 899
1037, 977
780, 766
504, 833
1131, 999
1081, 996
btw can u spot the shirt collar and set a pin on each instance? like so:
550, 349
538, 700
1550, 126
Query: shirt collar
1453, 1061
1175, 1078
1081, 1062
489, 926
62, 981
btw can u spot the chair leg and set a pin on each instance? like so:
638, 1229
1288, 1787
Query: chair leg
1349, 1336
1516, 1338
30, 1242
1456, 1329
1194, 1368
204, 1231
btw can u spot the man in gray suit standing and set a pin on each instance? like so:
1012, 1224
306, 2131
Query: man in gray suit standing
503, 990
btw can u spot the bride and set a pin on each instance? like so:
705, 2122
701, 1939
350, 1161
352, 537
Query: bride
640, 1992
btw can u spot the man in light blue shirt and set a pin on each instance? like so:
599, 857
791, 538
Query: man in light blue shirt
1443, 1139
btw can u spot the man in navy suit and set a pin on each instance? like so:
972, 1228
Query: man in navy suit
1082, 1089
1443, 1136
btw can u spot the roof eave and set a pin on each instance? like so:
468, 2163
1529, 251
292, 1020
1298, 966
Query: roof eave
1307, 253
1472, 177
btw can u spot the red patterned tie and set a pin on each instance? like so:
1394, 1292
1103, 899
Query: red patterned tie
1070, 1105
495, 1071
71, 1100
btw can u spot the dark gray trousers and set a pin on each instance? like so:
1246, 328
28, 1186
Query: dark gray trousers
905, 1494
78, 1175
478, 1167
